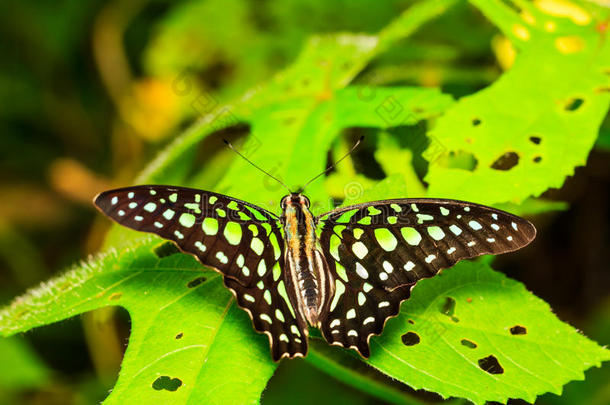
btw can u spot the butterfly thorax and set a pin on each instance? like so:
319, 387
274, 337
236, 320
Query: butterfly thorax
308, 275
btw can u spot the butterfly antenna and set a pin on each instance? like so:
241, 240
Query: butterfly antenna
329, 168
253, 164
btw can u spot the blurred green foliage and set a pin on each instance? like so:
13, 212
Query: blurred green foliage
491, 101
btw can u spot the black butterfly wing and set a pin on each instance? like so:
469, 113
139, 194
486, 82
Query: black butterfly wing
238, 239
377, 251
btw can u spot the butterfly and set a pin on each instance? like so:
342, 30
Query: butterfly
345, 271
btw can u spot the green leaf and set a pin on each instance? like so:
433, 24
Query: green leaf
533, 206
544, 111
189, 341
305, 107
453, 323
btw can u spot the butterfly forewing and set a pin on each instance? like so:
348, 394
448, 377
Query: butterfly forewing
240, 240
377, 251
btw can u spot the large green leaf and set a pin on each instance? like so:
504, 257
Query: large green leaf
297, 115
536, 123
189, 342
446, 332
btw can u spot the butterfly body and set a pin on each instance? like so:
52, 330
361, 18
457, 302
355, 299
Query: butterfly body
307, 268
345, 271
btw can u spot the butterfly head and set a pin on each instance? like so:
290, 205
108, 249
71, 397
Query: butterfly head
293, 200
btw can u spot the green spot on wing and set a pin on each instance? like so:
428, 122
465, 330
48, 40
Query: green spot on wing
233, 233
386, 239
339, 290
436, 232
187, 220
341, 271
410, 235
277, 271
365, 221
210, 226
334, 246
373, 211
281, 289
194, 207
256, 213
346, 216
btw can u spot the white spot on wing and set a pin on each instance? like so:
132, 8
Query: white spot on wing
475, 225
387, 266
361, 271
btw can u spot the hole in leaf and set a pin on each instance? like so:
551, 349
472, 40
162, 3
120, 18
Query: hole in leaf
411, 321
469, 343
166, 383
448, 308
195, 282
518, 330
410, 339
165, 249
491, 365
506, 162
115, 296
604, 89
537, 159
535, 140
179, 335
574, 104
462, 160
476, 122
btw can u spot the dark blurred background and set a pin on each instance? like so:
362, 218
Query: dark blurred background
88, 97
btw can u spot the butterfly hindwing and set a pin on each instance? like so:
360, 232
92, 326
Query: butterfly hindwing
240, 240
377, 252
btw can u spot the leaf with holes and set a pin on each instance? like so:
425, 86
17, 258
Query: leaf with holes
189, 341
538, 121
305, 107
473, 333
